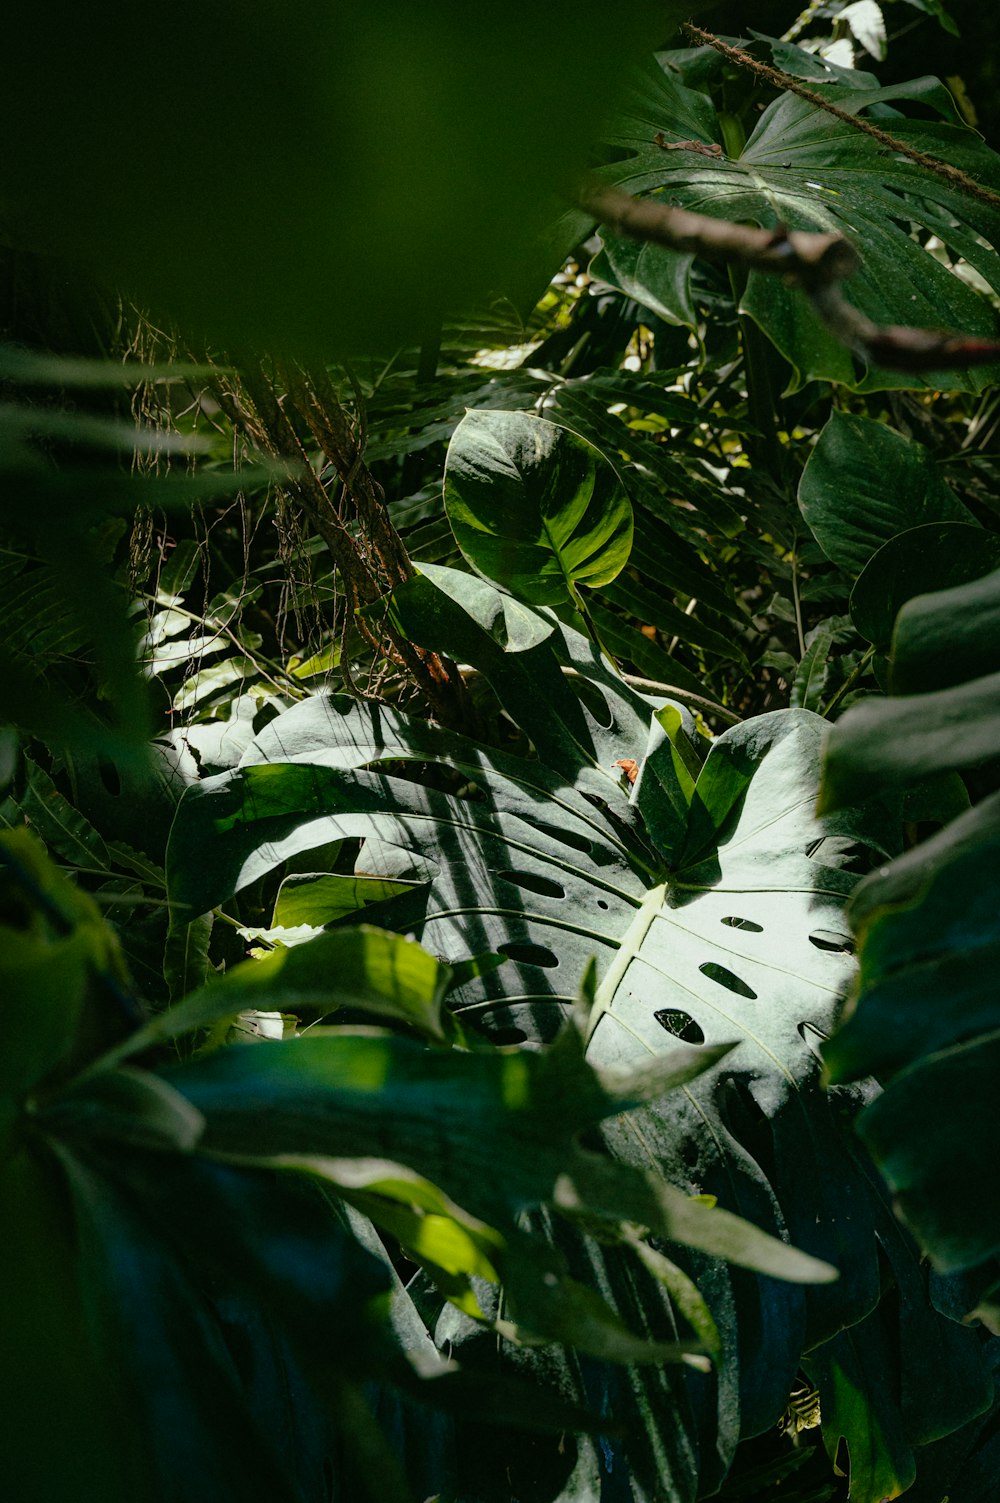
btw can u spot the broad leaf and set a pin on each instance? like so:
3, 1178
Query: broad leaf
924, 1015
444, 154
712, 900
895, 743
534, 508
804, 169
863, 484
949, 636
916, 562
361, 968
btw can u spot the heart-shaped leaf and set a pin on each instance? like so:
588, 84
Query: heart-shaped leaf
535, 508
864, 484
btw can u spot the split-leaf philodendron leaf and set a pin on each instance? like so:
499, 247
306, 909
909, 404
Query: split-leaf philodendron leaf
711, 897
804, 169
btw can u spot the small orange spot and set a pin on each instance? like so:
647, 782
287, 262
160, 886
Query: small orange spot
629, 767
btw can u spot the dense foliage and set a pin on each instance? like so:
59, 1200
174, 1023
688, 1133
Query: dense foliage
498, 866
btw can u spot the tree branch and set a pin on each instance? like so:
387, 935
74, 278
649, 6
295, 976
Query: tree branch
953, 175
817, 263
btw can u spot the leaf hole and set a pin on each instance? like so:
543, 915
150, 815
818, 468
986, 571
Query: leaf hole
532, 883
595, 702
828, 939
503, 1036
681, 1024
727, 979
108, 774
602, 903
812, 1037
529, 954
565, 837
742, 923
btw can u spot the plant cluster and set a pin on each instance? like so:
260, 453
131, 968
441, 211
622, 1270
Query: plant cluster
498, 866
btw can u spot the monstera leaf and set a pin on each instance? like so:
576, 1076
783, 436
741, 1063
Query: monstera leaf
711, 897
150, 1213
804, 169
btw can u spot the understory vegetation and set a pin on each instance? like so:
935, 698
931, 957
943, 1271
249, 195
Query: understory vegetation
500, 769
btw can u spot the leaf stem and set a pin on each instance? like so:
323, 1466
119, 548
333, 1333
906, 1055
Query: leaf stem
797, 602
848, 683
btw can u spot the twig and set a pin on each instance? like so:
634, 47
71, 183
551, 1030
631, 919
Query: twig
816, 263
685, 696
811, 259
953, 175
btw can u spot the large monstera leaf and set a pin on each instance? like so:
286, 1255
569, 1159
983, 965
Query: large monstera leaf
711, 897
804, 169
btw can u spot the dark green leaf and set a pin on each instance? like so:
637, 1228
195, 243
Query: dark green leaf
893, 743
950, 636
864, 484
803, 169
533, 507
920, 560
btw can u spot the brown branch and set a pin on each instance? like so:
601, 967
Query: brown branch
953, 175
364, 546
807, 257
817, 263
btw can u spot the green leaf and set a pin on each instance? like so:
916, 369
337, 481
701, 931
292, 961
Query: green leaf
361, 968
533, 507
928, 931
924, 1014
335, 1095
582, 738
853, 1373
629, 645
811, 674
320, 898
186, 962
915, 562
55, 954
448, 176
62, 827
152, 1324
951, 636
73, 1444
512, 626
802, 169
732, 931
883, 744
934, 1136
129, 1106
863, 484
657, 279
650, 607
